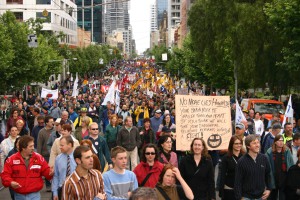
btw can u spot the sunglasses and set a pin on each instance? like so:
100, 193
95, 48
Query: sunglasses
150, 153
94, 129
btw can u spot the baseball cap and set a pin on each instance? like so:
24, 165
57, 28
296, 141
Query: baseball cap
158, 111
276, 126
167, 112
240, 126
83, 109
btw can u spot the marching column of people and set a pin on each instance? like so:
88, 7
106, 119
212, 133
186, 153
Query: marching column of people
243, 175
103, 153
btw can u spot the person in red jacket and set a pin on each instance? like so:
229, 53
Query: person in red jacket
148, 170
23, 171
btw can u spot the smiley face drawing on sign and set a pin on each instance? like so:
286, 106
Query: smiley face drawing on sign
214, 141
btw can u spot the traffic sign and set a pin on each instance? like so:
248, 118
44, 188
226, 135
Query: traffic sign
32, 40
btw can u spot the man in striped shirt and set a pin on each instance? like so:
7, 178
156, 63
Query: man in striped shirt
84, 183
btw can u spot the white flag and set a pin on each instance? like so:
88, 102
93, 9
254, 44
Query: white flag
110, 96
239, 115
75, 86
51, 94
289, 112
117, 101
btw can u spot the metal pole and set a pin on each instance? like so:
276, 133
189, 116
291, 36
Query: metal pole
82, 23
235, 81
92, 18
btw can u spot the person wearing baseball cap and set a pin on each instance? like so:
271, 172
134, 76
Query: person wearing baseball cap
240, 133
156, 120
269, 137
83, 113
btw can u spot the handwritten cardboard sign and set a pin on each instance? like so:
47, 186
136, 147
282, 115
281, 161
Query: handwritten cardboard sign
206, 117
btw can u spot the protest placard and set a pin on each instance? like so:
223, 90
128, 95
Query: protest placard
206, 117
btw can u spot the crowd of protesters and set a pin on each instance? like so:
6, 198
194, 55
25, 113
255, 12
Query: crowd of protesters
86, 150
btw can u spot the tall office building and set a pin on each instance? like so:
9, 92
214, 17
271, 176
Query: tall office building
116, 17
162, 5
59, 15
173, 19
92, 18
153, 20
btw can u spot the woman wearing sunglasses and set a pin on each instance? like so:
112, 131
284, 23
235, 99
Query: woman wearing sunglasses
149, 169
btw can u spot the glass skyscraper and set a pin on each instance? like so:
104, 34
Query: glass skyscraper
97, 33
162, 5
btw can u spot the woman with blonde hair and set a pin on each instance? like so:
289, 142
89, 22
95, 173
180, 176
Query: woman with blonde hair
83, 130
111, 131
21, 127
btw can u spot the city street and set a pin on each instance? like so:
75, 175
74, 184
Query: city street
4, 194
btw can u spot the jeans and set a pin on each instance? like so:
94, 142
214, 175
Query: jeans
30, 196
245, 198
140, 122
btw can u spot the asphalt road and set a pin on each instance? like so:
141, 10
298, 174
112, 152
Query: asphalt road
5, 195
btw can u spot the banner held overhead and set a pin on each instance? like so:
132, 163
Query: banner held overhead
206, 117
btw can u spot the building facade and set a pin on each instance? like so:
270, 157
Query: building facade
185, 7
59, 15
91, 17
173, 19
116, 18
161, 5
153, 18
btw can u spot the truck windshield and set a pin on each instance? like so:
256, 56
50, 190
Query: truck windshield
268, 108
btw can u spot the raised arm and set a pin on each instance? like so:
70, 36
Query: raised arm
187, 190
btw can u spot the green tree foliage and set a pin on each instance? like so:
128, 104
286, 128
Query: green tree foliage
88, 58
157, 52
185, 63
20, 64
284, 16
228, 33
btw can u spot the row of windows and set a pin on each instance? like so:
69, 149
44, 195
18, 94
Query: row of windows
70, 39
21, 2
65, 23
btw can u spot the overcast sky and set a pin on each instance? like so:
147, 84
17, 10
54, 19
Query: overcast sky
140, 21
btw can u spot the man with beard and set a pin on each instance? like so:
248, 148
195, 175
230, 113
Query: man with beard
24, 170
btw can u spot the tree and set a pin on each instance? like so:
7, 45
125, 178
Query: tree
284, 17
20, 63
229, 33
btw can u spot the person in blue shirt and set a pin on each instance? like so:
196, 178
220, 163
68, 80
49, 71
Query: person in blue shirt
72, 114
119, 182
62, 168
